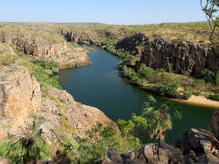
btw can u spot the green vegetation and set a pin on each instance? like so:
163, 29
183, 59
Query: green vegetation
214, 96
209, 76
97, 143
161, 82
23, 150
46, 73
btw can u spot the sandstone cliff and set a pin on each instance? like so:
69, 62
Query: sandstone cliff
56, 113
43, 44
182, 56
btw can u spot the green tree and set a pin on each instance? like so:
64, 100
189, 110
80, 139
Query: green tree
210, 8
159, 121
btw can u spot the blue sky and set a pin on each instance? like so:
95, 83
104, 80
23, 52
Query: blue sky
103, 11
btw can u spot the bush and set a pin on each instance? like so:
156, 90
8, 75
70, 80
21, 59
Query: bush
46, 73
96, 145
217, 78
169, 90
146, 72
214, 97
209, 76
187, 93
29, 148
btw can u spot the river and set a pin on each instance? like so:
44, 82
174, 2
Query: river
101, 85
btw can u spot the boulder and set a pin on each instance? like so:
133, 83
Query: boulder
199, 146
214, 124
19, 92
152, 153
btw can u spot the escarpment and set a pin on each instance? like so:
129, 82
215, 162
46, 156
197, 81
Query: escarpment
88, 38
43, 44
19, 92
20, 95
54, 111
181, 57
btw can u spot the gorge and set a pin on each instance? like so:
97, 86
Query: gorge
101, 85
52, 109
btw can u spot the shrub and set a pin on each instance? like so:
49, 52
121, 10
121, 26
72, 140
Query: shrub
214, 97
29, 148
96, 145
169, 90
146, 72
209, 76
217, 78
187, 93
46, 73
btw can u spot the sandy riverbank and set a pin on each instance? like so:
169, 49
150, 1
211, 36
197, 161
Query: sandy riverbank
199, 101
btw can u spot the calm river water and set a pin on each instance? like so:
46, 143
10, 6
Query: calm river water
101, 85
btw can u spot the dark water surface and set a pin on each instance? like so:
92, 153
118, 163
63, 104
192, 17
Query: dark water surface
101, 85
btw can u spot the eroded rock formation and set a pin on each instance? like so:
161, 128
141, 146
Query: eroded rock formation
56, 113
43, 44
19, 92
131, 43
181, 56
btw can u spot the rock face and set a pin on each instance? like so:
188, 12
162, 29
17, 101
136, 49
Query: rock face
199, 146
65, 119
56, 113
82, 38
214, 124
182, 56
44, 44
19, 92
88, 38
131, 43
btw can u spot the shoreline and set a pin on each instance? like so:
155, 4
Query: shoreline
199, 101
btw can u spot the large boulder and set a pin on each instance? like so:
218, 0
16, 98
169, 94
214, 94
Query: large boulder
214, 124
199, 146
19, 92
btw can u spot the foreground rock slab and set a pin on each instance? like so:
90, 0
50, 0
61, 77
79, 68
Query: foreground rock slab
19, 92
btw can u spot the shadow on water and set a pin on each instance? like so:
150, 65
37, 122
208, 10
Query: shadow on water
101, 85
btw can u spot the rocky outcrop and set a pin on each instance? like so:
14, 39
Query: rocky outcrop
214, 124
182, 57
149, 154
44, 44
20, 95
88, 38
62, 118
199, 146
56, 113
131, 43
19, 92
194, 147
78, 37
